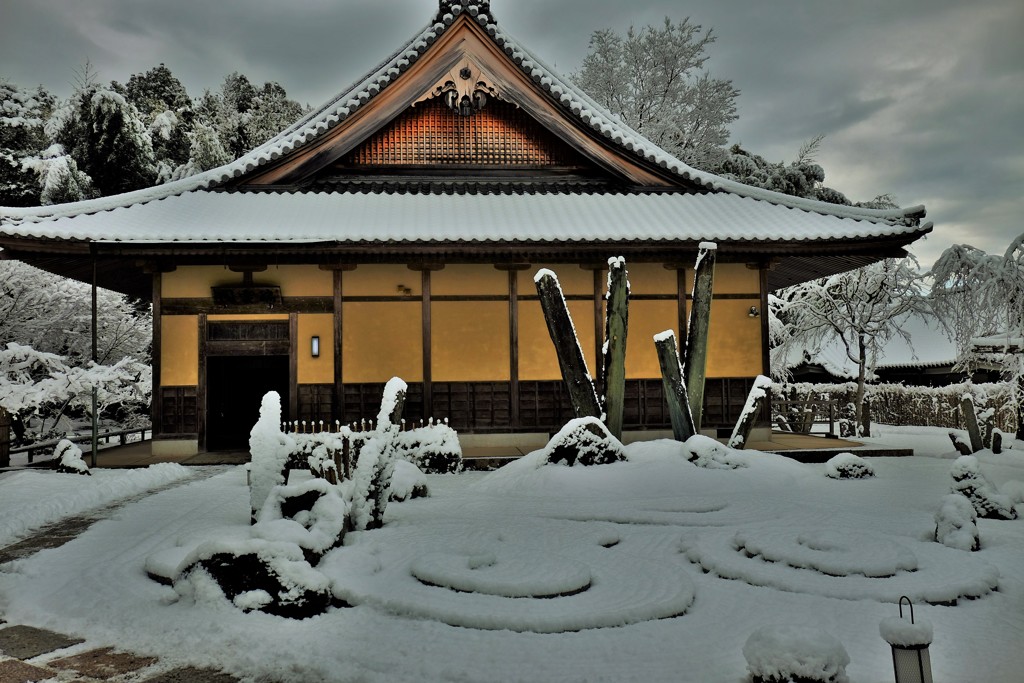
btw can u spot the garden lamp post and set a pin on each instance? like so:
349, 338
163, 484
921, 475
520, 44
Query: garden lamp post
909, 641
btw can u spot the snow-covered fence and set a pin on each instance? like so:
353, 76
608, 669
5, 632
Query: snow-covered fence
897, 404
122, 436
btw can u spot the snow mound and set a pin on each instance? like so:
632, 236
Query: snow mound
703, 451
408, 481
900, 632
312, 515
848, 466
784, 653
956, 523
838, 565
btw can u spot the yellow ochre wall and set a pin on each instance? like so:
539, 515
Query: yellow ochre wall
470, 340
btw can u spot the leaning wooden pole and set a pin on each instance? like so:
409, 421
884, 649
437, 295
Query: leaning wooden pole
578, 381
616, 325
675, 391
695, 353
745, 424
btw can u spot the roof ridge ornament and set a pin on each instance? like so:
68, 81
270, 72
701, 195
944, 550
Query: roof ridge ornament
457, 7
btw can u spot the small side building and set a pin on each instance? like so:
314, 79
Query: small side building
396, 229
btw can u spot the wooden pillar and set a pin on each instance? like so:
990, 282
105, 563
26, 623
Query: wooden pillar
428, 336
293, 366
513, 347
599, 331
338, 389
766, 359
201, 390
156, 405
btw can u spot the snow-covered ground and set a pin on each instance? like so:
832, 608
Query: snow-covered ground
651, 570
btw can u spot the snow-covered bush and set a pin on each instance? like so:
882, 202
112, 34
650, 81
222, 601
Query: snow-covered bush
795, 654
584, 441
313, 515
270, 449
69, 458
848, 466
703, 451
371, 482
408, 482
971, 483
433, 448
255, 574
956, 523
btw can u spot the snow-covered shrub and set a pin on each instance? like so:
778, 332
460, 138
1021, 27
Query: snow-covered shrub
848, 466
256, 574
270, 449
584, 441
69, 458
434, 448
703, 451
313, 515
795, 654
971, 483
408, 482
956, 523
371, 482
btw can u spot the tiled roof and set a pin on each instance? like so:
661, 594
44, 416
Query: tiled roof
740, 210
309, 217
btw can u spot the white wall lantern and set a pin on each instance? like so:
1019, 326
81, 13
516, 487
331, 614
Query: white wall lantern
909, 641
314, 347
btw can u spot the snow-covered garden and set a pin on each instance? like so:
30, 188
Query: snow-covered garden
656, 568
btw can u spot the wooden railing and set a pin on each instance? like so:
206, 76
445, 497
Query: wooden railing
121, 434
799, 417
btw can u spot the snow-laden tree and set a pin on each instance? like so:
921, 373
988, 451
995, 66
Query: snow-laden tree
206, 151
653, 79
58, 177
54, 315
108, 139
860, 309
166, 110
23, 115
979, 297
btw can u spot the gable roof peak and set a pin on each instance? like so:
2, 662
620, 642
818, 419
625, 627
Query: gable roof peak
453, 8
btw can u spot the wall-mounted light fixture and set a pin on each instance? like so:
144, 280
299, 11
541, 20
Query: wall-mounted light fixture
314, 346
754, 312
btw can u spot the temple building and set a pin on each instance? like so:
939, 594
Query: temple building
396, 231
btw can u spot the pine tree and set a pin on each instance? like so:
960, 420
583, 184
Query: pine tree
23, 114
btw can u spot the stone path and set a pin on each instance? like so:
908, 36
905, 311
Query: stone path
33, 654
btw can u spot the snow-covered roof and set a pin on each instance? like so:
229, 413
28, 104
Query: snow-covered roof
186, 210
313, 217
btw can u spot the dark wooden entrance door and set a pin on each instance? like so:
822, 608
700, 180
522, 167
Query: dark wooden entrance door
235, 389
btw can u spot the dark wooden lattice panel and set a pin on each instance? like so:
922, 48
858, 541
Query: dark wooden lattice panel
178, 410
315, 404
473, 406
430, 133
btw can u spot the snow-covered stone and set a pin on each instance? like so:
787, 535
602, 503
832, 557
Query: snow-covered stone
584, 441
69, 458
408, 481
971, 483
784, 653
311, 514
848, 466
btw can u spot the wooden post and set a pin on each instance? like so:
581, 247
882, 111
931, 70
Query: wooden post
971, 422
755, 399
675, 391
5, 438
616, 327
570, 356
695, 354
95, 357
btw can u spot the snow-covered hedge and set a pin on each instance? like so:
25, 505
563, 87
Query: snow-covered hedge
785, 653
896, 404
848, 466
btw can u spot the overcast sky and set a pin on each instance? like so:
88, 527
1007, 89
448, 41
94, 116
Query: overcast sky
920, 98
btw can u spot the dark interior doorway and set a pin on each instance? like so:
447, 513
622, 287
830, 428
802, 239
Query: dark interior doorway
235, 389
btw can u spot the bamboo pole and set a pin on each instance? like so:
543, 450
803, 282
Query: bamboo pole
578, 381
695, 353
616, 328
675, 391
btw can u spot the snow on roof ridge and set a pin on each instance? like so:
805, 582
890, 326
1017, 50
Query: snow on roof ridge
337, 109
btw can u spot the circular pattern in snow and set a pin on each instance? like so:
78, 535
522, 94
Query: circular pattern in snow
849, 570
521, 581
513, 576
832, 552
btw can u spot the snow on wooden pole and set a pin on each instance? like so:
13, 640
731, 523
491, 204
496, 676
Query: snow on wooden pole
695, 353
616, 324
95, 356
971, 422
567, 346
675, 391
755, 399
